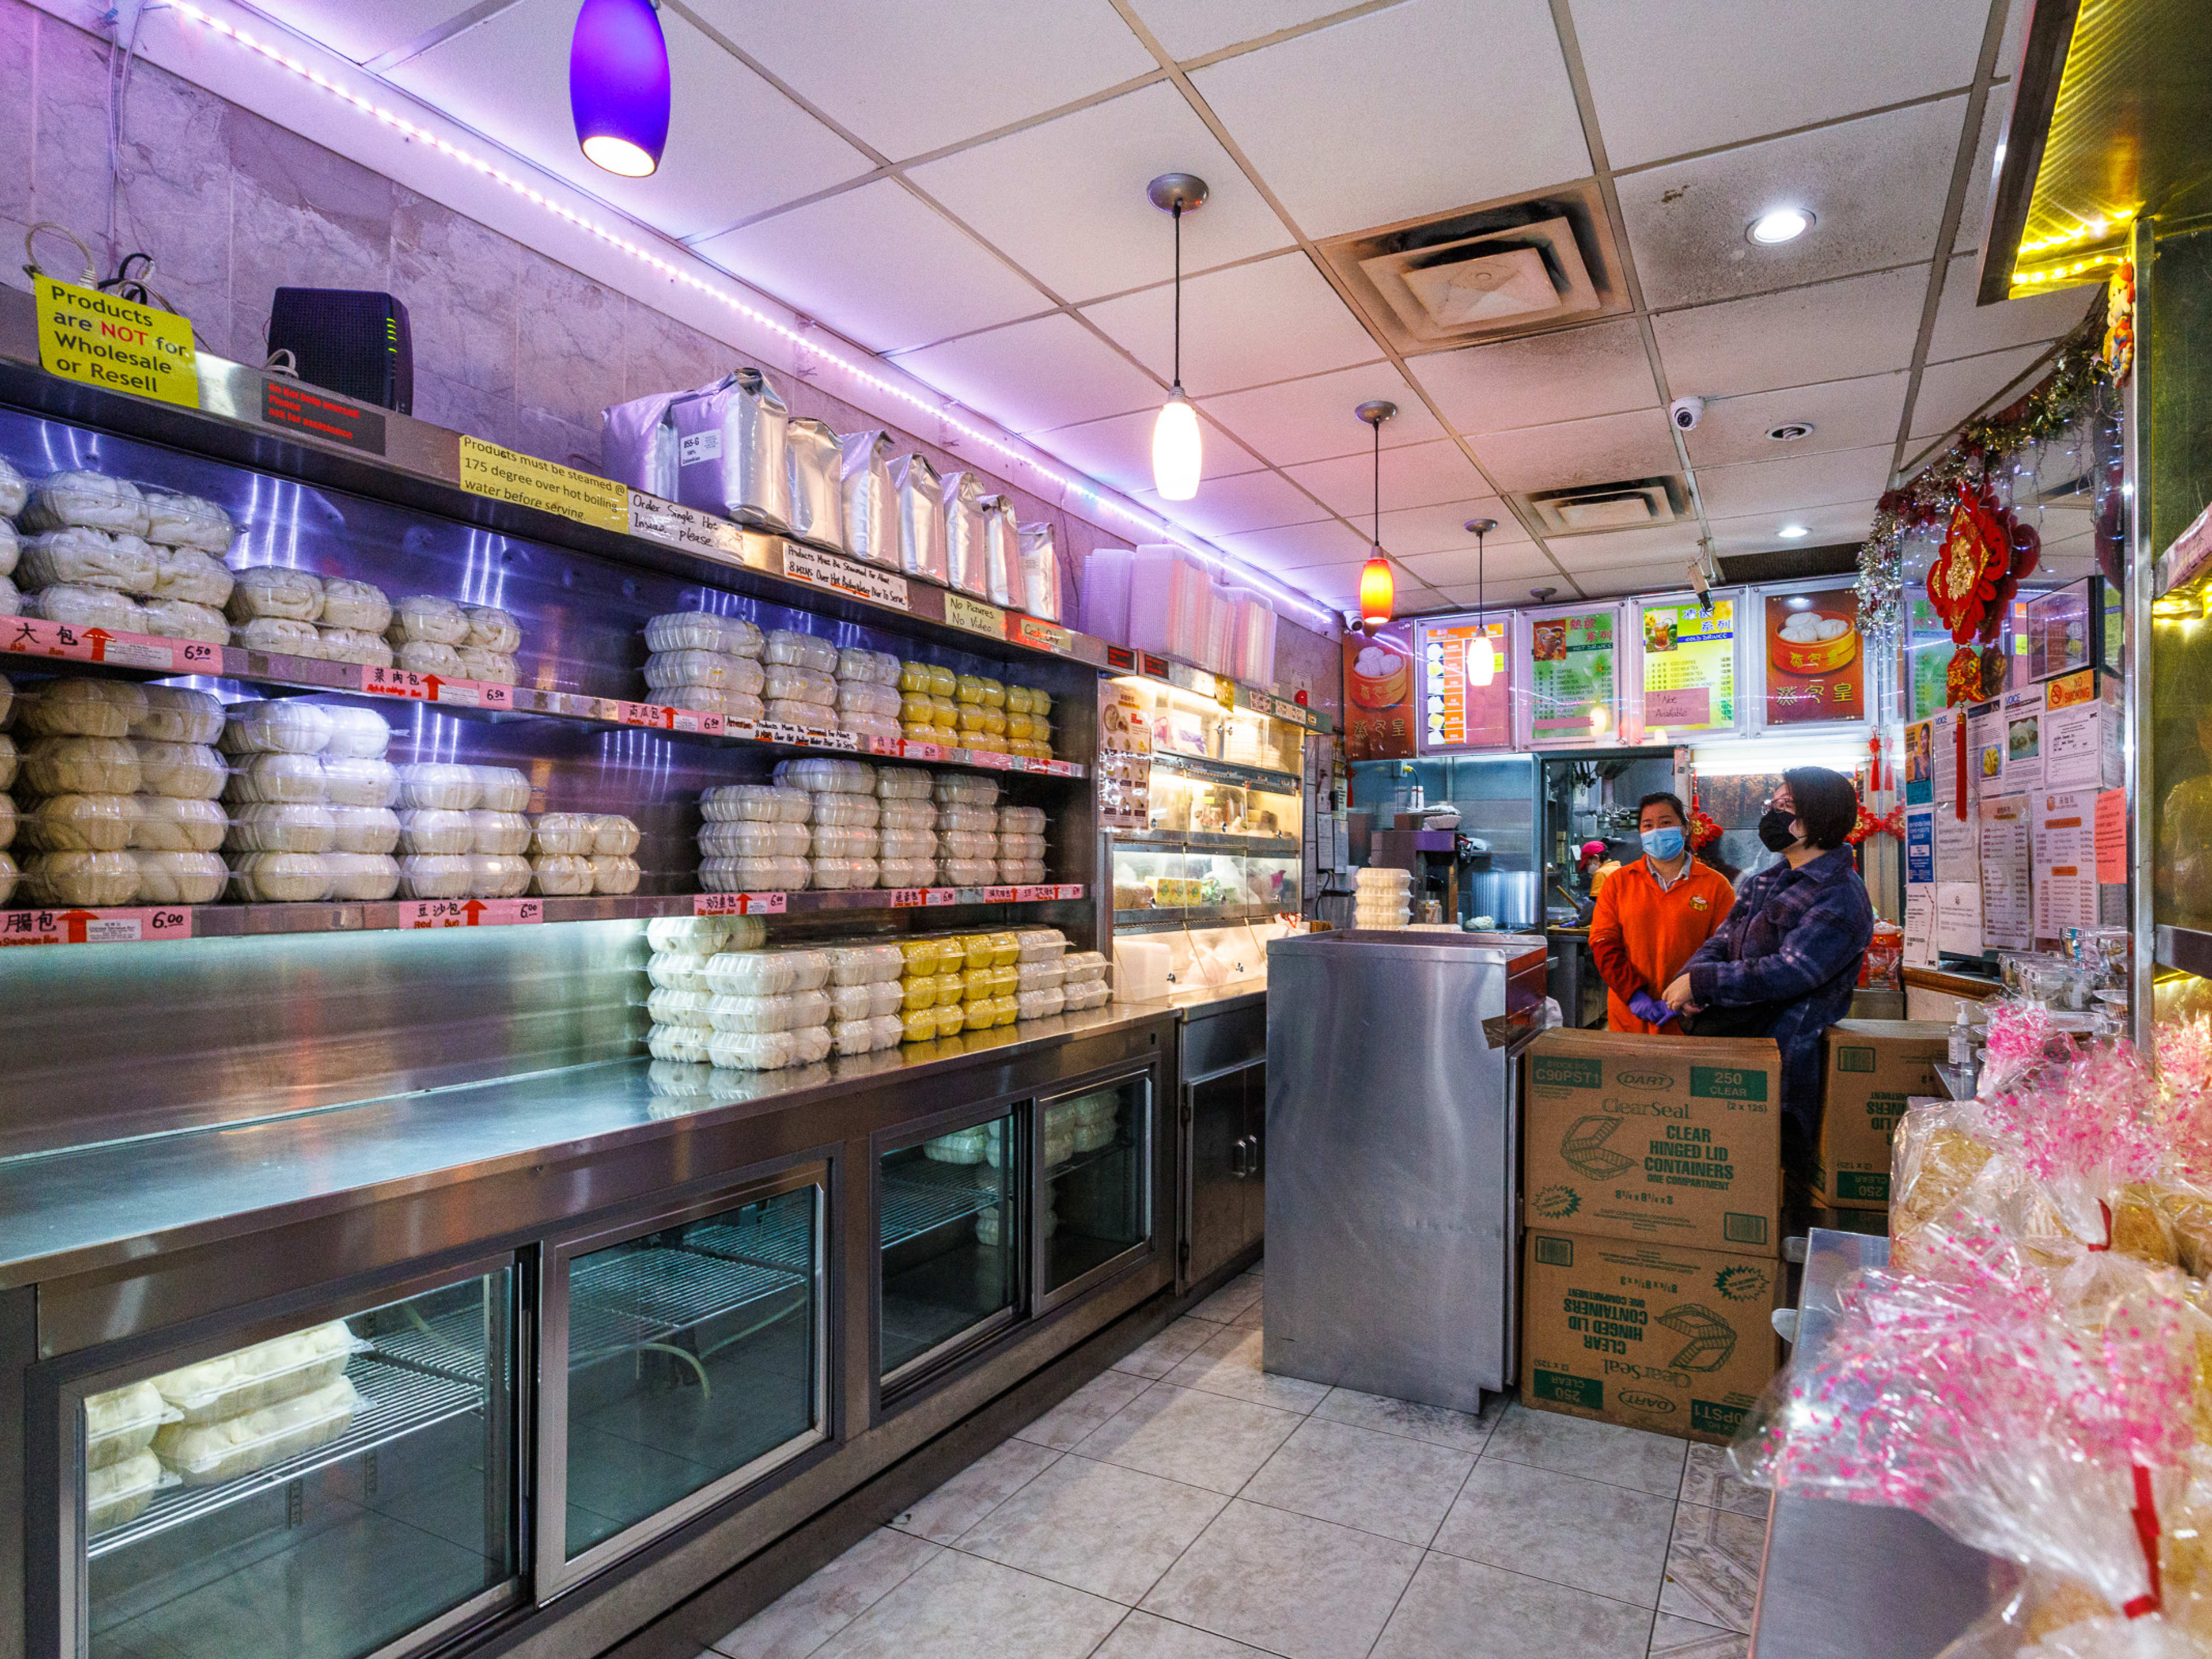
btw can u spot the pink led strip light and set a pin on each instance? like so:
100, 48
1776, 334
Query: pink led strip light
645, 256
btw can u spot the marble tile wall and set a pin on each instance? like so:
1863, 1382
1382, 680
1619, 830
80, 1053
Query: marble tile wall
509, 345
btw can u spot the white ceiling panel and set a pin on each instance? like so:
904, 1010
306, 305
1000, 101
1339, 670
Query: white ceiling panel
2014, 41
1118, 451
1602, 369
1825, 526
1311, 420
1065, 199
1336, 585
1032, 376
1404, 112
1417, 475
826, 258
1601, 450
1249, 501
360, 32
1276, 319
1974, 213
1695, 74
1854, 414
909, 79
1503, 569
1633, 579
1877, 187
1612, 549
1297, 547
1829, 332
736, 145
1964, 329
1795, 482
1949, 392
1191, 28
1442, 528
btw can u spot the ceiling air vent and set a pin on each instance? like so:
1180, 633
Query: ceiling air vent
1480, 273
1633, 504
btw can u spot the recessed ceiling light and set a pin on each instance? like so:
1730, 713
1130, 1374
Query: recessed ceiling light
1777, 225
1793, 533
1790, 431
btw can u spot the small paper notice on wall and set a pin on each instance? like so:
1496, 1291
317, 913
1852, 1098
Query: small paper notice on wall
1920, 924
2112, 838
1959, 918
2007, 885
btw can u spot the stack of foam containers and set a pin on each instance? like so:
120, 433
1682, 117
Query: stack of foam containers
766, 1010
1220, 657
678, 993
1103, 603
967, 831
800, 680
117, 786
1171, 596
1021, 846
1087, 985
1252, 650
906, 827
705, 661
868, 697
1385, 897
843, 819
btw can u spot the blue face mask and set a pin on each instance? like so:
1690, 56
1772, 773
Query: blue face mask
1665, 845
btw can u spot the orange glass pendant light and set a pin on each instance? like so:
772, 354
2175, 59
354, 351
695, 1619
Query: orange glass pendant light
1378, 587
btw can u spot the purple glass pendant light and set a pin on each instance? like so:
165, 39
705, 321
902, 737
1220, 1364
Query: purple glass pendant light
619, 85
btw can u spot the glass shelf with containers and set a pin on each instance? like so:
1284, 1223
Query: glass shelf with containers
1226, 813
235, 703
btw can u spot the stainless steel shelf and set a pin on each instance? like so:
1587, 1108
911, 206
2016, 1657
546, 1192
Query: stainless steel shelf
1172, 917
925, 1196
1228, 772
625, 1299
1200, 841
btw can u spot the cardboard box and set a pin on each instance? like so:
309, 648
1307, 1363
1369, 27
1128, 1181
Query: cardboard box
1671, 1140
1874, 1068
1673, 1340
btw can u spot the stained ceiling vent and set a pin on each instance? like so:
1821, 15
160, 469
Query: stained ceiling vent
1480, 273
1631, 504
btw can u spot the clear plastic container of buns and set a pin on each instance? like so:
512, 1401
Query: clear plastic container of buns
755, 801
786, 646
248, 1378
118, 1493
768, 1051
767, 972
755, 838
209, 1454
699, 631
755, 875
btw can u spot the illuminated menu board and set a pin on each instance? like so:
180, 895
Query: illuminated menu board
1570, 675
1456, 712
1689, 666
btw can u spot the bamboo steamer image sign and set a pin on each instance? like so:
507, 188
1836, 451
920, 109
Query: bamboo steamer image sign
1816, 667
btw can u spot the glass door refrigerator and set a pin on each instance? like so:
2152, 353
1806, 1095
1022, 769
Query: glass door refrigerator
951, 1206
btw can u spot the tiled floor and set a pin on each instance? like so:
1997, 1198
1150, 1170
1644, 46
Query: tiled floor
1185, 1506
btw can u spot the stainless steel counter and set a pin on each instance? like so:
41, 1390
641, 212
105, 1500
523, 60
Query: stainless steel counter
1852, 1581
65, 1214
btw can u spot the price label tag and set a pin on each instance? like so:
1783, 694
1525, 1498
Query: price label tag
893, 746
848, 742
739, 728
36, 638
643, 714
909, 898
974, 615
1040, 636
1058, 768
1032, 895
989, 759
739, 904
396, 683
777, 732
470, 913
999, 894
922, 751
862, 581
1068, 889
694, 720
95, 926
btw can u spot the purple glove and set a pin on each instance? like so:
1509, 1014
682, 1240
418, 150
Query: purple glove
1648, 1009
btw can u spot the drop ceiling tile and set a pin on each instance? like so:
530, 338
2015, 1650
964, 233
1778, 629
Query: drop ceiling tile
1825, 526
1603, 449
736, 145
1032, 376
1950, 392
1855, 414
909, 79
1876, 187
1632, 582
1417, 84
1974, 211
1505, 570
1602, 369
1191, 28
1118, 451
1612, 549
1311, 420
826, 258
1249, 501
1065, 199
1444, 528
1297, 547
1276, 319
360, 32
1795, 482
2016, 39
1415, 475
1964, 329
1827, 332
1697, 74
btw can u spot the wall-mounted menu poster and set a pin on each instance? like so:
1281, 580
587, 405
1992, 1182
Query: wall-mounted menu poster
1689, 666
1571, 676
1457, 712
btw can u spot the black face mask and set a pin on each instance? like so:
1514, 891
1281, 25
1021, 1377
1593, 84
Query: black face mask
1774, 832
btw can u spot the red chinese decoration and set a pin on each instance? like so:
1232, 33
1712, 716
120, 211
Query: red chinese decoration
1877, 824
1704, 830
1968, 580
1962, 680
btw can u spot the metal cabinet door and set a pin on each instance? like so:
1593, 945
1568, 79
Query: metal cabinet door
1219, 1204
1253, 1163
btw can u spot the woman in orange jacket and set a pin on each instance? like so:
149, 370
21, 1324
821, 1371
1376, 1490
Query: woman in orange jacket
1652, 915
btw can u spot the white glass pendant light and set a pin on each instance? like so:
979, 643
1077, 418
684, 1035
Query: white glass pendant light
1178, 456
1481, 659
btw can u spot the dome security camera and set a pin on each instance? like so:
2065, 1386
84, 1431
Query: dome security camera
1685, 413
